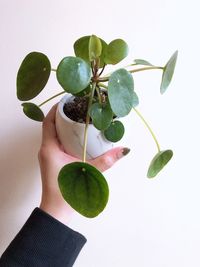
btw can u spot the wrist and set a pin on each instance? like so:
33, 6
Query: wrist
57, 208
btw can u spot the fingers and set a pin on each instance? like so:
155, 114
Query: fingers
48, 126
107, 160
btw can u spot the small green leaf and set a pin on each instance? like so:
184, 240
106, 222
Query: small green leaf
120, 92
73, 74
116, 51
142, 62
95, 47
81, 49
101, 115
84, 188
33, 111
135, 99
159, 162
168, 72
115, 131
32, 75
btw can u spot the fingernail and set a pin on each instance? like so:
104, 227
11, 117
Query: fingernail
125, 151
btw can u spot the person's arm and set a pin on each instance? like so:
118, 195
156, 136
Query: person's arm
45, 239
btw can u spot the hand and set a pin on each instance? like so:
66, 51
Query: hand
52, 158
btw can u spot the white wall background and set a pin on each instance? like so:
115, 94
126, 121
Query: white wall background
154, 223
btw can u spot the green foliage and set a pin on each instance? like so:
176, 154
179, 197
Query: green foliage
142, 62
120, 92
84, 92
159, 162
81, 49
73, 74
116, 51
115, 131
95, 47
32, 75
101, 115
168, 72
84, 188
81, 184
32, 111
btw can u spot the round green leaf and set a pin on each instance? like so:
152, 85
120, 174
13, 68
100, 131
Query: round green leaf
115, 131
116, 51
81, 49
101, 115
159, 162
32, 75
73, 74
84, 188
135, 99
168, 72
142, 62
121, 92
95, 47
33, 111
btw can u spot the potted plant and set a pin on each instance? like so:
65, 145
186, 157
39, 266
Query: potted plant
94, 107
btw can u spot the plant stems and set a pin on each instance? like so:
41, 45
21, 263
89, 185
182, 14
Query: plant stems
149, 128
146, 68
102, 70
54, 70
51, 98
103, 85
105, 79
98, 93
88, 121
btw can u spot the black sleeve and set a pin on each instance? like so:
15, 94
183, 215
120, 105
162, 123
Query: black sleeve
43, 241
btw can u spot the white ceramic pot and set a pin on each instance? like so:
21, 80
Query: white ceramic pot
71, 134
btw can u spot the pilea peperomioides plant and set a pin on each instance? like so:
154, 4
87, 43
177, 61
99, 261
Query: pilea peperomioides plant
108, 98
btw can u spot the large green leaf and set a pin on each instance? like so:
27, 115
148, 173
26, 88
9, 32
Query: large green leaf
121, 92
116, 51
32, 75
101, 115
81, 49
142, 62
159, 162
32, 111
168, 72
84, 188
95, 47
73, 74
115, 131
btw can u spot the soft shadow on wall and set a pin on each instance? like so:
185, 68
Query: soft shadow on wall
19, 179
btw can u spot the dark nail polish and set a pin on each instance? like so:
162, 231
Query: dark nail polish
125, 151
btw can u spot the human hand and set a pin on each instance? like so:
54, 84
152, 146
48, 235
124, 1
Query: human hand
52, 158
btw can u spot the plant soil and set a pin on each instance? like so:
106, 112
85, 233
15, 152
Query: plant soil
76, 109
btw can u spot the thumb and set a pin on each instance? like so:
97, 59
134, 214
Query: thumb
107, 160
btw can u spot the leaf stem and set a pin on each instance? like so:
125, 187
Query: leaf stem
149, 128
98, 93
51, 98
88, 121
54, 70
103, 85
106, 78
102, 69
146, 68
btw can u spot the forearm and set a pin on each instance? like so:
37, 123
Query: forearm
43, 241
